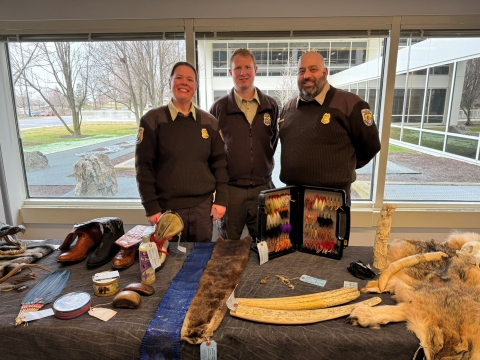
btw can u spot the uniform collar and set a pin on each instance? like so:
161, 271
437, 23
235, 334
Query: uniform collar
320, 98
239, 99
174, 111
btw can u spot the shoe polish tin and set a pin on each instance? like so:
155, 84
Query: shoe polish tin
72, 305
106, 283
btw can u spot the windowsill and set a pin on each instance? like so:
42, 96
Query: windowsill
363, 215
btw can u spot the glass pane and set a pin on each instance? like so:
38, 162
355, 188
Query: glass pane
220, 55
439, 94
80, 105
278, 53
260, 52
395, 132
277, 76
411, 136
432, 141
461, 146
297, 49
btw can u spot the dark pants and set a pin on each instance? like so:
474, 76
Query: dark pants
197, 223
241, 211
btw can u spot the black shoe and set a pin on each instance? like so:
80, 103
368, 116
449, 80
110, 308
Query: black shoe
112, 230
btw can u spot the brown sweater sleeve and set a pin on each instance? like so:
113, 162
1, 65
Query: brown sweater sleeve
145, 160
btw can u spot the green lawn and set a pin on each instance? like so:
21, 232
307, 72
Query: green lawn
57, 138
455, 145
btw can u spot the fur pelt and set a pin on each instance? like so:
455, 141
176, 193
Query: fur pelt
32, 254
221, 275
440, 301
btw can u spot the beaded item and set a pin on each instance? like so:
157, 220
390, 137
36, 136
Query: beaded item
44, 292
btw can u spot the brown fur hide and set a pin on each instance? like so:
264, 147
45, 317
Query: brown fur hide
221, 275
440, 301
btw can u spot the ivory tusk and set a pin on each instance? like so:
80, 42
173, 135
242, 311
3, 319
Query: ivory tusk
405, 262
297, 317
304, 302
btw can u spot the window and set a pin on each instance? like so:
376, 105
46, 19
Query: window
430, 144
217, 94
277, 60
79, 105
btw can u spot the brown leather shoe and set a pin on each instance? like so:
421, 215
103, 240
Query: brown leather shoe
87, 239
125, 257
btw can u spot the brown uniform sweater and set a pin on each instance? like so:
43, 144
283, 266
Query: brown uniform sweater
326, 153
179, 163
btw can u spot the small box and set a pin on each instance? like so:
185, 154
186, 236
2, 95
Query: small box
310, 219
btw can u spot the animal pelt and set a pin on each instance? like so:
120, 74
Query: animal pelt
221, 275
440, 301
32, 254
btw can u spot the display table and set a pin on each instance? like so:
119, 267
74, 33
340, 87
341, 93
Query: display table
89, 338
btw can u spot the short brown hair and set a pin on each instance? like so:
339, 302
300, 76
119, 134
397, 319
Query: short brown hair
243, 52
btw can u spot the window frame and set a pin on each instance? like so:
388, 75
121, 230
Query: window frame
364, 215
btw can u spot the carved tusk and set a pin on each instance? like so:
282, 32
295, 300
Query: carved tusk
405, 262
297, 317
304, 302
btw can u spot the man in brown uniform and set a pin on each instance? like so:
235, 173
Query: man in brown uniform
325, 133
248, 124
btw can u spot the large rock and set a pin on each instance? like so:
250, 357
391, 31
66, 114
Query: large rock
35, 160
460, 129
95, 176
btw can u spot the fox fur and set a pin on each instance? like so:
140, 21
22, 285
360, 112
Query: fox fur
440, 301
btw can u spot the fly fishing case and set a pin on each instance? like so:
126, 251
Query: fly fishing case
310, 219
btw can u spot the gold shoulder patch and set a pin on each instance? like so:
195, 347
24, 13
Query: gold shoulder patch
204, 133
139, 135
367, 117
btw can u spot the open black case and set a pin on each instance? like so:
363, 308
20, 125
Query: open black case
310, 219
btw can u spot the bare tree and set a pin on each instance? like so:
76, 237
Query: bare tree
287, 87
136, 73
61, 68
471, 88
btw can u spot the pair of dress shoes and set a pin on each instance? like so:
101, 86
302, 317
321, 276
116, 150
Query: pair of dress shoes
95, 239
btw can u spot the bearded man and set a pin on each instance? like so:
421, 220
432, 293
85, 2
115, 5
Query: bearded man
325, 133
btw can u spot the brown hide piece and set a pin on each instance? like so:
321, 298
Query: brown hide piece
221, 275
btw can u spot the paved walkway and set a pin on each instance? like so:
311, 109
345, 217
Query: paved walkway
61, 164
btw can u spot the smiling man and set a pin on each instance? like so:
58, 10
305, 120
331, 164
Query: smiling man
325, 133
248, 123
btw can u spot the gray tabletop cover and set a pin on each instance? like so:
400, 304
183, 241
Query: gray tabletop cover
89, 338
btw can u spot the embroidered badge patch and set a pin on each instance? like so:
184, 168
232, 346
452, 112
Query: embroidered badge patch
325, 119
204, 133
367, 117
139, 135
267, 120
